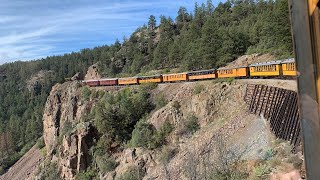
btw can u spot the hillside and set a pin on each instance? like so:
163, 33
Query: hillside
77, 123
195, 120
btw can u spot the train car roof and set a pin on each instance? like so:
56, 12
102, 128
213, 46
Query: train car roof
233, 68
266, 63
129, 77
109, 79
150, 76
174, 74
201, 71
90, 80
290, 60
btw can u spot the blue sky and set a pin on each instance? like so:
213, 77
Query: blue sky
31, 29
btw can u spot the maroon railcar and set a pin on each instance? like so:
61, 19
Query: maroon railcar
92, 83
108, 82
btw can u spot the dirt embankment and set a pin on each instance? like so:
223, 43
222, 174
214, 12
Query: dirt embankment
25, 167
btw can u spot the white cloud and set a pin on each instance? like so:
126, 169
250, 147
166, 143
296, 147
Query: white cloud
7, 19
32, 29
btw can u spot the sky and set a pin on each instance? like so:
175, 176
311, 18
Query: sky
33, 29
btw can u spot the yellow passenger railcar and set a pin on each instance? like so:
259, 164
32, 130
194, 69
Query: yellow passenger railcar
233, 72
289, 67
150, 79
205, 74
128, 81
175, 77
272, 68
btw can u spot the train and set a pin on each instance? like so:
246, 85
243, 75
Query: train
280, 68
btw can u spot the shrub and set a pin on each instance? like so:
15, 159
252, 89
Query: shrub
115, 115
106, 164
262, 170
230, 175
189, 126
268, 154
142, 134
230, 80
86, 93
159, 138
167, 70
40, 143
90, 173
295, 160
2, 171
145, 135
176, 105
192, 124
198, 88
160, 101
130, 174
101, 148
50, 172
43, 151
26, 148
67, 127
167, 154
221, 80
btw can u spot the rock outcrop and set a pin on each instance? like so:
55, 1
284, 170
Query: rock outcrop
92, 73
66, 134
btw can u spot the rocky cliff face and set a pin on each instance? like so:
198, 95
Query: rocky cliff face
218, 106
66, 134
92, 73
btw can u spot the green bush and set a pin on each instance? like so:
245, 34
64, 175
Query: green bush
66, 128
86, 93
90, 173
176, 105
130, 174
159, 138
268, 154
106, 164
262, 170
2, 171
101, 147
142, 135
221, 80
230, 80
160, 101
145, 135
198, 88
230, 175
50, 172
115, 115
192, 124
40, 143
43, 152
